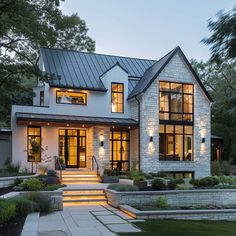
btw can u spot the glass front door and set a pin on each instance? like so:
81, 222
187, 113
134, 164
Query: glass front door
72, 147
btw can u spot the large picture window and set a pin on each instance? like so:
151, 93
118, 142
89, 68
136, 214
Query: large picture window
117, 97
34, 144
69, 97
176, 101
175, 142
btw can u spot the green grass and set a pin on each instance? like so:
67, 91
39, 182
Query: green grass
185, 228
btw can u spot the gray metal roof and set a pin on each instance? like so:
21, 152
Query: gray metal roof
74, 69
20, 116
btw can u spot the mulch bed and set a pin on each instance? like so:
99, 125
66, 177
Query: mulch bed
14, 227
5, 190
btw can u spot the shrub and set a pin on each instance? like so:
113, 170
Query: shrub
7, 211
109, 172
194, 182
179, 181
161, 202
42, 169
18, 181
216, 168
122, 187
172, 184
24, 205
225, 167
158, 184
124, 177
148, 176
139, 178
208, 181
32, 184
185, 186
53, 187
11, 167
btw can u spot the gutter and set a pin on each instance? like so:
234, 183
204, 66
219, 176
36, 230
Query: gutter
139, 133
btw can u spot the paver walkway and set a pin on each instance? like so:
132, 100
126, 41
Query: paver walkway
86, 220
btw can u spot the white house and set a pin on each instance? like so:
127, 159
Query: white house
123, 111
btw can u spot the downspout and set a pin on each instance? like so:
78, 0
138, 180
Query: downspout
139, 134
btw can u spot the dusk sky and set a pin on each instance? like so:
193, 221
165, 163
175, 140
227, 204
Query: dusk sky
148, 28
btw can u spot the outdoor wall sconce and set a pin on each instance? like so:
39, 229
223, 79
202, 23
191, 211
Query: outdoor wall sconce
151, 139
102, 143
101, 140
203, 140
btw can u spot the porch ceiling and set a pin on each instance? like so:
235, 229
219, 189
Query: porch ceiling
67, 120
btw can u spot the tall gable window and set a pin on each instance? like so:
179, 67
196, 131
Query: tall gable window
34, 144
176, 101
117, 97
69, 97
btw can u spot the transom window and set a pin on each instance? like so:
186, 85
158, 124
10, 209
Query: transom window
175, 142
69, 97
117, 97
34, 144
176, 101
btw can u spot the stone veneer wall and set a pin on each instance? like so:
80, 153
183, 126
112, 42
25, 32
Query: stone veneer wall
222, 197
175, 71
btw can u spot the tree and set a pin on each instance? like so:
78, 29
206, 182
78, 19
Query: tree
25, 26
223, 39
221, 84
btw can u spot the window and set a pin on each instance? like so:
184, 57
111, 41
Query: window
176, 101
175, 142
34, 144
41, 98
117, 97
69, 97
119, 150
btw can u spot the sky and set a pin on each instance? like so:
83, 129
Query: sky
148, 28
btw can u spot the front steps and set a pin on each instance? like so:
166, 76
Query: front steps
84, 196
73, 177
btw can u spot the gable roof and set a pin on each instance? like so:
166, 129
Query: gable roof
151, 74
82, 70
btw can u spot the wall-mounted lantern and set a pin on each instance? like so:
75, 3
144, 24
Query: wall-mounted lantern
151, 139
203, 140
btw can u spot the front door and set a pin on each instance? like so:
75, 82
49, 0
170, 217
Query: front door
72, 147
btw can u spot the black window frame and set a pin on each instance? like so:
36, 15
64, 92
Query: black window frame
182, 93
40, 128
116, 92
79, 104
174, 136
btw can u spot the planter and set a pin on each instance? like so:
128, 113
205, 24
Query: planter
142, 185
63, 166
110, 179
52, 180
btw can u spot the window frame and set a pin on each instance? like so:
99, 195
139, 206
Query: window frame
40, 128
79, 104
123, 104
182, 93
174, 142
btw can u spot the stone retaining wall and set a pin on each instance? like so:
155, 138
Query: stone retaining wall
216, 214
221, 197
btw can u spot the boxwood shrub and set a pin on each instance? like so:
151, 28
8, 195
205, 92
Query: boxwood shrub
122, 187
7, 211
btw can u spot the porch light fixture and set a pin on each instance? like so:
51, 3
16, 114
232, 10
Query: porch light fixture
67, 125
30, 123
129, 127
203, 140
48, 123
83, 126
151, 139
102, 144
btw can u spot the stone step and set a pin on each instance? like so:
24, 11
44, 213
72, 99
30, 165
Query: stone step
65, 172
82, 192
84, 195
81, 178
78, 176
65, 200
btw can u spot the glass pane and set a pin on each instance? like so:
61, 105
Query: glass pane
120, 87
179, 129
179, 175
188, 103
188, 88
161, 128
37, 131
187, 117
71, 97
178, 147
188, 147
164, 116
164, 86
188, 129
30, 131
164, 101
162, 146
62, 132
176, 116
188, 175
82, 132
169, 147
176, 102
170, 129
114, 87
125, 135
176, 87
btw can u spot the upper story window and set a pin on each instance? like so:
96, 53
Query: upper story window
69, 97
176, 101
117, 97
41, 98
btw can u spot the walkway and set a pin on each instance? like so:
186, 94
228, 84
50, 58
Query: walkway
86, 220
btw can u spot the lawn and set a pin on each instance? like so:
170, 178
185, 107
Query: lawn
185, 228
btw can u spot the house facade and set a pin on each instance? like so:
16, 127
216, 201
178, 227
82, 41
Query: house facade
116, 112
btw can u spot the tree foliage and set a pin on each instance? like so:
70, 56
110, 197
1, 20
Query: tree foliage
25, 26
223, 38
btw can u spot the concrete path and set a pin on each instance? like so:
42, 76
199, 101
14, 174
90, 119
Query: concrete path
86, 220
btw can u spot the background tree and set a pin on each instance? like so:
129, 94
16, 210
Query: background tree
222, 41
25, 26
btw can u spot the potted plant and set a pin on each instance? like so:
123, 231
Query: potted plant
60, 163
109, 176
140, 182
52, 177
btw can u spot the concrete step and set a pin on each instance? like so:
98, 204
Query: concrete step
81, 191
81, 178
78, 176
84, 195
65, 172
84, 200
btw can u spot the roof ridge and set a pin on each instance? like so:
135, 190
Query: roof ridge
101, 54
